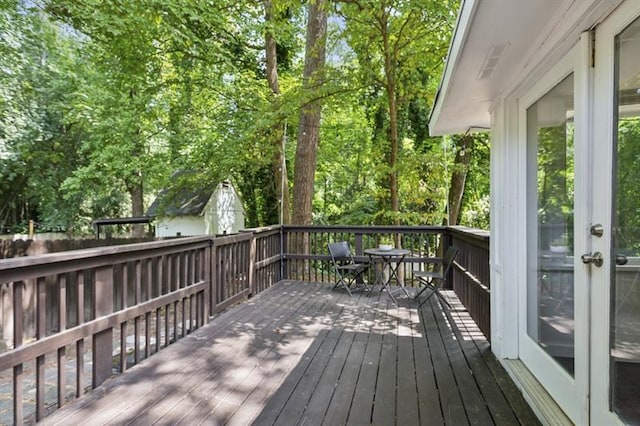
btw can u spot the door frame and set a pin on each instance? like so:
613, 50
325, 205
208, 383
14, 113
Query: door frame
571, 393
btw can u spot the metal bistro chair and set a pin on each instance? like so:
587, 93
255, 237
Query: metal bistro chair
347, 269
434, 280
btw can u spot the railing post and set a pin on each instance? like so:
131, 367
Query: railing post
103, 341
358, 242
252, 264
447, 241
213, 297
359, 251
208, 274
283, 259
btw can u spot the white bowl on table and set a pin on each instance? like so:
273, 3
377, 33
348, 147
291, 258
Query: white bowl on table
385, 247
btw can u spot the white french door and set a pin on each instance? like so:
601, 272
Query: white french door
615, 307
553, 323
579, 316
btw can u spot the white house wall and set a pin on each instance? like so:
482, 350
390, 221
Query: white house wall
508, 176
525, 75
506, 270
509, 217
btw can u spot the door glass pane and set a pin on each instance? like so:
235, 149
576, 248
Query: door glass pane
550, 309
625, 279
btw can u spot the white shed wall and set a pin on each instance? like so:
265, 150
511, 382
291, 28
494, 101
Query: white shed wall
224, 214
185, 225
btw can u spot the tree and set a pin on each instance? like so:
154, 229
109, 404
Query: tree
42, 66
399, 44
278, 131
163, 65
309, 126
463, 151
131, 91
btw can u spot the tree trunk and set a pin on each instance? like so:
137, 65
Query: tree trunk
137, 206
309, 127
390, 77
463, 146
134, 182
393, 154
279, 165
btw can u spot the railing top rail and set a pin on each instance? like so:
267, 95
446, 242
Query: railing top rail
106, 251
366, 229
262, 229
478, 237
232, 238
480, 233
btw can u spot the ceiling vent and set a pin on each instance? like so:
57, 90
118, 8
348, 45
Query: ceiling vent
491, 60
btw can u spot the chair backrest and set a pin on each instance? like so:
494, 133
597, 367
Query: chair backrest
447, 259
340, 251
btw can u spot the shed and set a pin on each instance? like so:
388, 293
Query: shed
200, 211
557, 82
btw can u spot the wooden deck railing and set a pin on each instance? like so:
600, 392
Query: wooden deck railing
471, 275
305, 257
70, 320
244, 264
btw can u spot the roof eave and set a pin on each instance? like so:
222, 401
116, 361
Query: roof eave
460, 33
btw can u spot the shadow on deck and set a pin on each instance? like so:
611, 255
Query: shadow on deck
300, 353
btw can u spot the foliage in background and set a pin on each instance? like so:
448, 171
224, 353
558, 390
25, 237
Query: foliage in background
398, 46
101, 102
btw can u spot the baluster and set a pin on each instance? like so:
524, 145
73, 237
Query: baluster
175, 321
80, 307
62, 321
41, 314
102, 343
18, 330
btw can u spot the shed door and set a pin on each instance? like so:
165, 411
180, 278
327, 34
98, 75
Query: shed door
615, 321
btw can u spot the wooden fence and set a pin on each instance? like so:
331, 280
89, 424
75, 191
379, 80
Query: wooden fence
70, 320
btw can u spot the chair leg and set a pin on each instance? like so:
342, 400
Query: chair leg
425, 286
341, 282
434, 290
426, 298
362, 282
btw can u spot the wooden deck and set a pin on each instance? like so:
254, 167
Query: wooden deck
300, 353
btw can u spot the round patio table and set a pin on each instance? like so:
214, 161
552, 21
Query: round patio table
387, 258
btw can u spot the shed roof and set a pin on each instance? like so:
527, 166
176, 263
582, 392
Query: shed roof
181, 202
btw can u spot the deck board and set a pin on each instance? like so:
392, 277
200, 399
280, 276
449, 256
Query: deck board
361, 408
473, 403
302, 353
429, 401
449, 393
407, 390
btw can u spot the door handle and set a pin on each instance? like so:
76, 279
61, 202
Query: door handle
595, 258
621, 259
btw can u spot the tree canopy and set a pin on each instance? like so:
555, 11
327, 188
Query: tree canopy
101, 103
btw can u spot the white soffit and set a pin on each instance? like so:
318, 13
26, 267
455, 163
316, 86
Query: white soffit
495, 46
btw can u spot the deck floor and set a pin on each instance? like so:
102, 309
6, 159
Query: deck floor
300, 353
